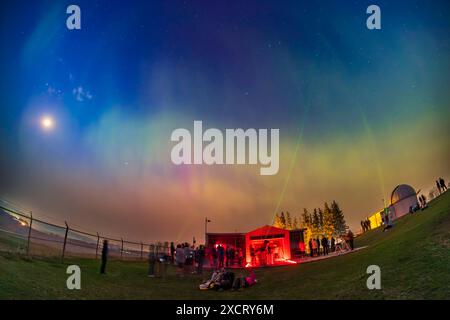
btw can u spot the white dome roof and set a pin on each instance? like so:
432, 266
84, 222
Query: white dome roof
401, 192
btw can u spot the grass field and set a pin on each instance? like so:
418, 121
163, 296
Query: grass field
414, 258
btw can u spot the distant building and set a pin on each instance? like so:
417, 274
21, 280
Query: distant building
376, 220
402, 198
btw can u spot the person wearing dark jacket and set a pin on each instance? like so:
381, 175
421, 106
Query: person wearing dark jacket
325, 246
442, 183
310, 245
172, 253
151, 262
221, 254
105, 250
200, 255
350, 238
438, 185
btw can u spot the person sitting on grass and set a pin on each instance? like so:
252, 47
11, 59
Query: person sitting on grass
242, 282
220, 280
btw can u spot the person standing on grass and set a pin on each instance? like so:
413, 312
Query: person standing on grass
151, 261
200, 255
105, 251
221, 254
188, 259
438, 185
180, 258
318, 246
325, 246
350, 238
172, 253
442, 183
214, 257
314, 247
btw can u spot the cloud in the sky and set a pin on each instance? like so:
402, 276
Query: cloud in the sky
81, 94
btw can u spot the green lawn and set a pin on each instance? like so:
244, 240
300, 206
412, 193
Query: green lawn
414, 258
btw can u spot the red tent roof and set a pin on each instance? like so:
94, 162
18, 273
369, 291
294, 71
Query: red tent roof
268, 230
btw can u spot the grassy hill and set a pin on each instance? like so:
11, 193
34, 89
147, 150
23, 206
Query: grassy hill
414, 258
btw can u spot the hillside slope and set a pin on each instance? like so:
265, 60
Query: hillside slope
414, 258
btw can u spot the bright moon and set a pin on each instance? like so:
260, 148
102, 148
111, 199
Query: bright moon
47, 123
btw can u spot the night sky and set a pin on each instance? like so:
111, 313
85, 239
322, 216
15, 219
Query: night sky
359, 111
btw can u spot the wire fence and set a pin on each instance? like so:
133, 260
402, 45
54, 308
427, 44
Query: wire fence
22, 232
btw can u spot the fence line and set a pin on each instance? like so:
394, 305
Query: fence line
65, 240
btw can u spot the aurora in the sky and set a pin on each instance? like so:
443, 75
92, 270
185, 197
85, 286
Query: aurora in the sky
87, 114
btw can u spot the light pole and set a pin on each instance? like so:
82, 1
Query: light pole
206, 228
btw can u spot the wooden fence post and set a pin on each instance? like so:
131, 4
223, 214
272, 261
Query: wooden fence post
29, 232
98, 243
65, 241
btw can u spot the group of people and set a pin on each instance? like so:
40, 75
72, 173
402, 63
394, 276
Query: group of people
187, 258
225, 280
221, 256
157, 260
265, 254
419, 206
423, 201
440, 184
323, 246
365, 225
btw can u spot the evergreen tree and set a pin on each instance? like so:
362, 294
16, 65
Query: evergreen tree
338, 218
320, 215
277, 221
328, 225
295, 224
307, 224
288, 221
306, 218
315, 222
282, 221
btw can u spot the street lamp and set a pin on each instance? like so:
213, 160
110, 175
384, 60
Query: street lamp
206, 228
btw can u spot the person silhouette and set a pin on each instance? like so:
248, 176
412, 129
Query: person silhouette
105, 251
438, 185
442, 183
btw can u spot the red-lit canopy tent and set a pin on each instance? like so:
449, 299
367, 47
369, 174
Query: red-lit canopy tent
277, 238
283, 244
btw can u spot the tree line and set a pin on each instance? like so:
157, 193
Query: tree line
328, 220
